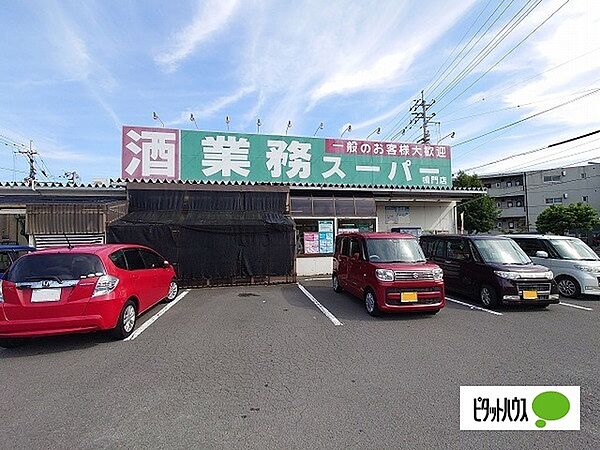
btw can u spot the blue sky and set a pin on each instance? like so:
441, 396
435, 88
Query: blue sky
71, 73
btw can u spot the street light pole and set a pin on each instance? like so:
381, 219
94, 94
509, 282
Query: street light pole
155, 117
375, 131
348, 129
320, 127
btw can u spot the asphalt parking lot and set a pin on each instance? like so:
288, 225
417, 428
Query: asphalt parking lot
264, 367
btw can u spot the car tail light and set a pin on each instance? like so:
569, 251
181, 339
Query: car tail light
105, 285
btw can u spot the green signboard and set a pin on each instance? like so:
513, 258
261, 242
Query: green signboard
258, 158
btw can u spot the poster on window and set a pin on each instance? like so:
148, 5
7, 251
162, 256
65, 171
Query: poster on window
326, 225
325, 236
397, 214
311, 242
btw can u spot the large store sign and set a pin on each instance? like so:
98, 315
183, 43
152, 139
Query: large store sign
169, 154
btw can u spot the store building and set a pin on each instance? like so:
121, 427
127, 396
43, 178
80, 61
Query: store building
52, 214
323, 186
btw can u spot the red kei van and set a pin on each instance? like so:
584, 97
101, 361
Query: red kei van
389, 271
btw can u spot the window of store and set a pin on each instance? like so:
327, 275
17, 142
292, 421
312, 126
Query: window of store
320, 218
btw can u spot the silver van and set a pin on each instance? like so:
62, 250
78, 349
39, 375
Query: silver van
576, 266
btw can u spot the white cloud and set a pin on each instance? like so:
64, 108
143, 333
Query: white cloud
75, 59
575, 32
212, 16
302, 54
217, 105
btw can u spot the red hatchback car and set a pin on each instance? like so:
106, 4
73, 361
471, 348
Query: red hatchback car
81, 289
389, 271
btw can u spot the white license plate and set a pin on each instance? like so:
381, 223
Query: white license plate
45, 295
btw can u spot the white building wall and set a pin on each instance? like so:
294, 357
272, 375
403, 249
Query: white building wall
318, 265
431, 217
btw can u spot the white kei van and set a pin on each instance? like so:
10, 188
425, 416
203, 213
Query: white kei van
576, 266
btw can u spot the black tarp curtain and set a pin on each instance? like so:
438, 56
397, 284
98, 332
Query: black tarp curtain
212, 237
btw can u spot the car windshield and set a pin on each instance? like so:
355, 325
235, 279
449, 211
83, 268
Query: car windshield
573, 249
501, 251
394, 250
55, 266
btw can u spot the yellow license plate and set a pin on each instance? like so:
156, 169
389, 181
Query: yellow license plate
408, 297
530, 295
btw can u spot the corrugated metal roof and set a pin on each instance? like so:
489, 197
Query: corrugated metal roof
111, 184
316, 185
120, 185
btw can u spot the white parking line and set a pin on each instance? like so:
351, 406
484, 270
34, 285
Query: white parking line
155, 317
478, 308
324, 310
585, 308
318, 279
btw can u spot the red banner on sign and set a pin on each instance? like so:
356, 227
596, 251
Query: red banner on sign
392, 149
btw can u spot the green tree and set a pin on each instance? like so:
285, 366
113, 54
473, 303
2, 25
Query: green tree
480, 213
559, 219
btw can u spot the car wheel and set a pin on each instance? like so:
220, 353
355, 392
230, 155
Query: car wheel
335, 282
488, 296
371, 303
568, 287
173, 290
11, 343
127, 320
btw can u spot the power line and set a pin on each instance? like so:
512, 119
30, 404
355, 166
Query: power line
12, 170
544, 159
433, 78
396, 131
506, 54
483, 53
453, 65
532, 151
507, 87
521, 167
595, 91
508, 108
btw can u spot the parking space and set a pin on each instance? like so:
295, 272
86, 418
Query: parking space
263, 367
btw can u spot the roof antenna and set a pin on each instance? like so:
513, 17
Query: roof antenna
69, 246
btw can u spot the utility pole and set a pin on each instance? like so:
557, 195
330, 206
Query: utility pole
30, 155
419, 111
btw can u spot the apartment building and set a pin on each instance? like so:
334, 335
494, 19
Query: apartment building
522, 196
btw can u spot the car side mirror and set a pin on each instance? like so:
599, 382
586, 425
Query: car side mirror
541, 254
166, 263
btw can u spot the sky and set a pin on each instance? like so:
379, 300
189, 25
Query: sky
73, 73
